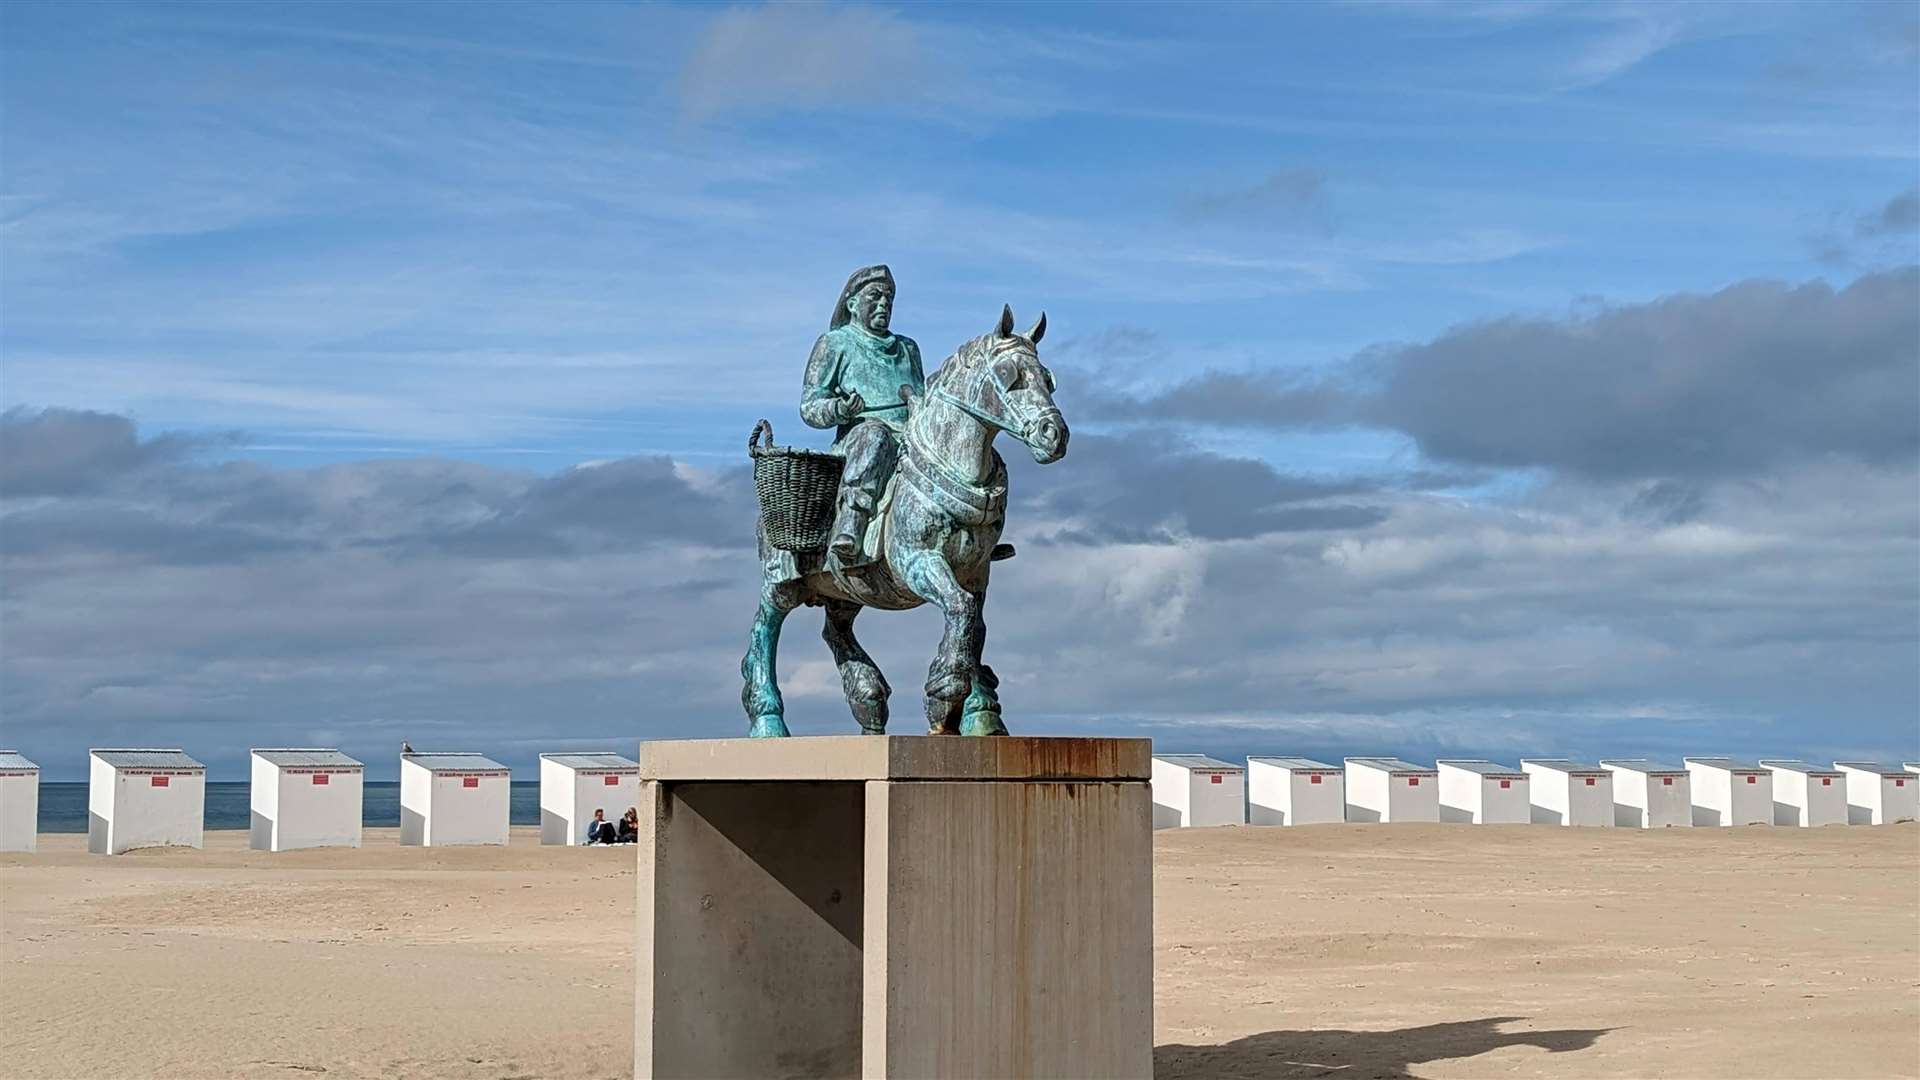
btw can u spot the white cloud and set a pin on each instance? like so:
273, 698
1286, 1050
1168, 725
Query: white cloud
804, 56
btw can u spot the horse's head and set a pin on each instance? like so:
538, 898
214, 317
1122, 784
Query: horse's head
1006, 385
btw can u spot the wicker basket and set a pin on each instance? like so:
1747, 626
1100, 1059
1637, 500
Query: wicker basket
797, 489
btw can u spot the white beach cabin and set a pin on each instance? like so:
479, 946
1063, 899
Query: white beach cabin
1193, 789
1566, 792
1482, 792
1807, 795
305, 798
448, 799
1295, 791
1729, 792
1385, 789
1649, 794
1879, 794
19, 802
573, 786
144, 798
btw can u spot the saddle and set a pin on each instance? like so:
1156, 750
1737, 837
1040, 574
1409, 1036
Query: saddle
793, 565
873, 543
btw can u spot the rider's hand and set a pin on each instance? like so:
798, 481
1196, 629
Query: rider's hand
852, 405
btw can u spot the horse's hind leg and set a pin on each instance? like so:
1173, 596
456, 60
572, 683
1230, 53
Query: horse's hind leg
760, 696
867, 689
981, 714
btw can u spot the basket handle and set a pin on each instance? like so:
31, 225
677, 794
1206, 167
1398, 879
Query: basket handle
753, 440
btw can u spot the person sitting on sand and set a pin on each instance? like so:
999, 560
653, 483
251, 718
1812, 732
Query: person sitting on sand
629, 827
599, 830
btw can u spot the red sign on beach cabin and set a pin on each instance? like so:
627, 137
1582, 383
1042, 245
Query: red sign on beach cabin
611, 781
320, 779
1314, 779
161, 781
1216, 778
1413, 781
469, 781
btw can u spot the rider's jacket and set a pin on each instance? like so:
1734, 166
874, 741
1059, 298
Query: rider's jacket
848, 359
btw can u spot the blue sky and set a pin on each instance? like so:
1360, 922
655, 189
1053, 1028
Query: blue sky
1498, 307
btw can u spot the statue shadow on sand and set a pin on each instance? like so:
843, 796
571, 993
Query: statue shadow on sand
1356, 1055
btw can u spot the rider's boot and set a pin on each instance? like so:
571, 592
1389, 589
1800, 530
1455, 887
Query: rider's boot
850, 526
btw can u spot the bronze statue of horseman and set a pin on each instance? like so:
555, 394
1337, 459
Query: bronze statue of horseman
919, 508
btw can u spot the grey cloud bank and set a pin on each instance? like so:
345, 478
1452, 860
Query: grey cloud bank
63, 452
1726, 384
1900, 217
163, 596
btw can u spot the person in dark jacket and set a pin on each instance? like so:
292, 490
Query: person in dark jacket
600, 830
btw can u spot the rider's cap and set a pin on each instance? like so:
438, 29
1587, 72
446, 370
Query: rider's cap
863, 276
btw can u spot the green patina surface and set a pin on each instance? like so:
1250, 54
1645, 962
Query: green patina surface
941, 527
875, 366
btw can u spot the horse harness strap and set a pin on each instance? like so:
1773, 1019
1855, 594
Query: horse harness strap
965, 502
975, 412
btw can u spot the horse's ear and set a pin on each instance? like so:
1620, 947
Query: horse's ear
1039, 329
1006, 320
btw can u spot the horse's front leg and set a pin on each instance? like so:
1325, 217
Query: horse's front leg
950, 676
981, 716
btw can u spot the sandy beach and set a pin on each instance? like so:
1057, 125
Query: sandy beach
1349, 951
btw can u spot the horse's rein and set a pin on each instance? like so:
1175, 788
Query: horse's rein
979, 414
975, 412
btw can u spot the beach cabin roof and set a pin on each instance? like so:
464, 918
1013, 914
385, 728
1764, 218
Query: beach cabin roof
596, 760
1730, 764
1294, 763
147, 759
1645, 766
1871, 766
1571, 768
11, 759
455, 762
1492, 769
1389, 764
1798, 766
1195, 761
306, 757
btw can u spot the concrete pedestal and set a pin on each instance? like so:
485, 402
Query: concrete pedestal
895, 906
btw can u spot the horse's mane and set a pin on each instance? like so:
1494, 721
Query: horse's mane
963, 357
968, 356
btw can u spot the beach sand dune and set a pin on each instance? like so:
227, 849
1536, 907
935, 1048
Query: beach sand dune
1346, 951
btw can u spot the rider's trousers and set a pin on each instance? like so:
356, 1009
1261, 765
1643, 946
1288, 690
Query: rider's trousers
871, 453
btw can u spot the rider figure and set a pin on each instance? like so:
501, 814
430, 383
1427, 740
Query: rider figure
853, 383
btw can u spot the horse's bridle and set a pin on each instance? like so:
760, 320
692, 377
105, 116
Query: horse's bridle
1028, 423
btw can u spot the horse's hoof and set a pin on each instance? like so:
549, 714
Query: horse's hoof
770, 726
982, 723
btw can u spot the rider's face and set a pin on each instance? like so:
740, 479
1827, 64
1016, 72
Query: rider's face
873, 307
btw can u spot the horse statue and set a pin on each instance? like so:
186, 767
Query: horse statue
934, 537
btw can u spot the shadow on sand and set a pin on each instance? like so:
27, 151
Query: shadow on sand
1355, 1055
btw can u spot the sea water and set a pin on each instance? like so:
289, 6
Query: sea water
63, 807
